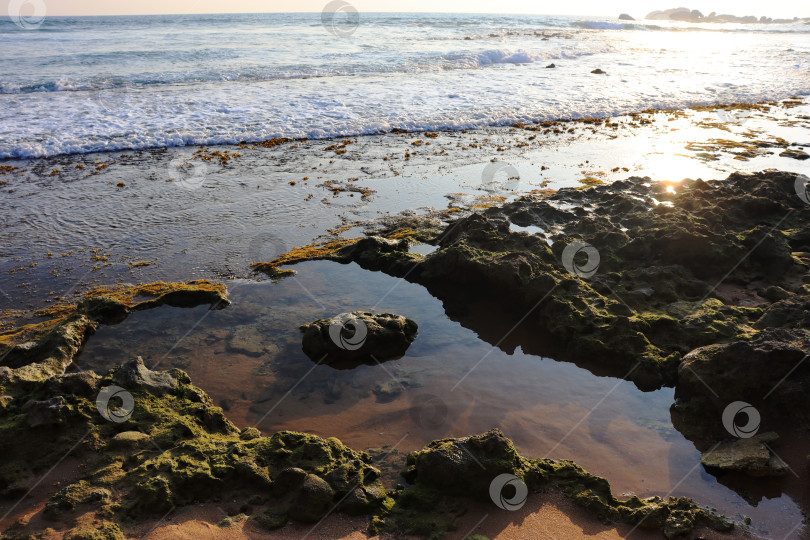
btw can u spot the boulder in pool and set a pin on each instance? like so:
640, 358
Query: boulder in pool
358, 337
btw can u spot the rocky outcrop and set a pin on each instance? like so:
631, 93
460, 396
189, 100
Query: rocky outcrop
795, 154
695, 16
648, 300
471, 466
177, 449
638, 291
625, 17
38, 351
358, 337
770, 372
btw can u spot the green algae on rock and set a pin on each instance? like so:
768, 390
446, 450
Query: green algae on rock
176, 448
662, 252
39, 351
466, 467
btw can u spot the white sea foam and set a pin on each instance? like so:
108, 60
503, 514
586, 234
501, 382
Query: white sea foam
83, 85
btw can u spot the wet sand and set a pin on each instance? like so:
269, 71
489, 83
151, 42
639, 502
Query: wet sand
545, 516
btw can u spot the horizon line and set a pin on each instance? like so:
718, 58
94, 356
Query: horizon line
399, 11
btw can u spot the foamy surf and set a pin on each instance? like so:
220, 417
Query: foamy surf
88, 84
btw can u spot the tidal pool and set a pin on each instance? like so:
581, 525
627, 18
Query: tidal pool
470, 369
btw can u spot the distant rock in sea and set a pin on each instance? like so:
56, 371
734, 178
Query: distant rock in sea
693, 15
550, 66
598, 71
625, 17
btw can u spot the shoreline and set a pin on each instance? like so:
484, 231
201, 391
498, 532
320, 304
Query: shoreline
273, 141
298, 177
409, 158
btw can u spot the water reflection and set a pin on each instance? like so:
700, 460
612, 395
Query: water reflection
451, 382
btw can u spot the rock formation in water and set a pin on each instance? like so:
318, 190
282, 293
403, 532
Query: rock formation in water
358, 337
693, 15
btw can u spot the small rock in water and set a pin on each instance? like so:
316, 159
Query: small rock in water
358, 337
795, 154
598, 71
751, 456
551, 66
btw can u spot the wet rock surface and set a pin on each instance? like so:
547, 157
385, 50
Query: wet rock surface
135, 375
470, 466
769, 371
639, 289
358, 337
752, 456
39, 351
177, 449
46, 413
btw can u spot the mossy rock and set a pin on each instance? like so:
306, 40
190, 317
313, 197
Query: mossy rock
96, 531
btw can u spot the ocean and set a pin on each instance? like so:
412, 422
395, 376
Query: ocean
83, 84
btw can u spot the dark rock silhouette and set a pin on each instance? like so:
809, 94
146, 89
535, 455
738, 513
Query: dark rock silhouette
693, 15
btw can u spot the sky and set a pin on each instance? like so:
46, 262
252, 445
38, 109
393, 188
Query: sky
636, 8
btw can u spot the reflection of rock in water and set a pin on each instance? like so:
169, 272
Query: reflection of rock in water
350, 339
